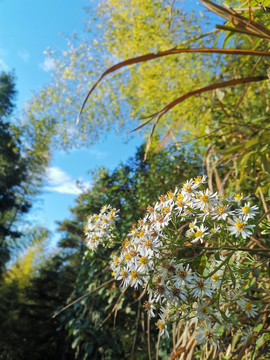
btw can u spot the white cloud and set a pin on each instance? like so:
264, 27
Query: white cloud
3, 65
60, 182
68, 187
98, 154
48, 64
56, 176
24, 55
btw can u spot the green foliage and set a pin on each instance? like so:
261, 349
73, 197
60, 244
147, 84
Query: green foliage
130, 188
226, 122
28, 300
146, 26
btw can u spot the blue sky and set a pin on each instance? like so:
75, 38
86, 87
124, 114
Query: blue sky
27, 29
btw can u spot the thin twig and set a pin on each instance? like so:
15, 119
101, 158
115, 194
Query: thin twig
250, 11
148, 337
136, 330
264, 203
170, 13
114, 308
264, 216
82, 297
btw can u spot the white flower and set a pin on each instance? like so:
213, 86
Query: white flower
221, 212
162, 327
200, 232
205, 200
150, 307
200, 180
247, 211
183, 275
124, 275
174, 294
248, 334
249, 308
239, 197
208, 334
239, 227
203, 310
200, 287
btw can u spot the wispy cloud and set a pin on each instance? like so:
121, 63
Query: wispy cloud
24, 55
98, 154
48, 64
3, 65
61, 182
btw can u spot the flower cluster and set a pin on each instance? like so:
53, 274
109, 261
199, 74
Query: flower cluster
172, 253
100, 226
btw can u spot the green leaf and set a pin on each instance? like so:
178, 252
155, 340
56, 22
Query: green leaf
251, 143
75, 342
265, 163
260, 341
258, 328
232, 149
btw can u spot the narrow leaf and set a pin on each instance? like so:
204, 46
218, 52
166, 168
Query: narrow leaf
152, 56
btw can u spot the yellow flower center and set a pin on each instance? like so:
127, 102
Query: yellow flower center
160, 325
246, 209
221, 210
238, 197
179, 197
126, 242
124, 274
166, 210
216, 277
143, 260
188, 188
198, 179
199, 233
204, 309
150, 209
148, 243
133, 253
204, 198
170, 194
116, 261
248, 306
191, 225
95, 238
111, 217
141, 234
134, 274
239, 225
162, 198
128, 257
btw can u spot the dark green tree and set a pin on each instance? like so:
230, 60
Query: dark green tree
13, 171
